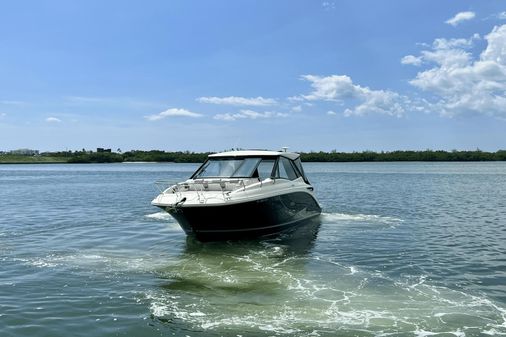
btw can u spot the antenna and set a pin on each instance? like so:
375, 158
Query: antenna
284, 148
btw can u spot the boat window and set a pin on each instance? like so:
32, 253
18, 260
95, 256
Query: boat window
285, 170
218, 168
247, 167
298, 165
265, 168
228, 167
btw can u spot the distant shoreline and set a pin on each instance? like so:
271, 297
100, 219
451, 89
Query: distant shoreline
157, 156
318, 162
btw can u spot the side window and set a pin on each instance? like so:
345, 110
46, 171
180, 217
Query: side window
265, 168
285, 169
298, 164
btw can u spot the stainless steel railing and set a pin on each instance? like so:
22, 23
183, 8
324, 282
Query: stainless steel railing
225, 186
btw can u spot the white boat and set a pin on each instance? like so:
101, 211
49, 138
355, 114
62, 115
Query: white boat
242, 195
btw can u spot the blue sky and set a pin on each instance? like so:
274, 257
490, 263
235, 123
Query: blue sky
212, 75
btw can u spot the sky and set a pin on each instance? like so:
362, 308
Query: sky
214, 75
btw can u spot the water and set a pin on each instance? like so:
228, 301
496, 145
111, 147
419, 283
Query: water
402, 249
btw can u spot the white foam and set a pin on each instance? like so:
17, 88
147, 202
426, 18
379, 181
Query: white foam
42, 262
423, 333
98, 262
160, 216
492, 332
336, 217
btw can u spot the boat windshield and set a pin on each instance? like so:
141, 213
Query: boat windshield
229, 168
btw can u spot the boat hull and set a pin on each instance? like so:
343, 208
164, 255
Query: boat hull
247, 220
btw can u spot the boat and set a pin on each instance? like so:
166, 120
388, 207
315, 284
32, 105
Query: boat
241, 195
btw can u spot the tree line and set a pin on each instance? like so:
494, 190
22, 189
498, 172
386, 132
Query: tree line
333, 156
427, 155
135, 156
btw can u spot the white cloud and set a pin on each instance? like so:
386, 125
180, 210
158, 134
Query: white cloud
174, 112
449, 52
460, 17
413, 60
501, 16
341, 89
297, 108
53, 120
496, 47
249, 114
238, 101
443, 43
2, 114
379, 102
330, 88
331, 113
464, 84
295, 99
443, 50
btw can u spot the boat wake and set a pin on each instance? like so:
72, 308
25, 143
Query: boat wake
96, 262
265, 292
371, 218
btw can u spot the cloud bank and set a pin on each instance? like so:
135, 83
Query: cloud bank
461, 83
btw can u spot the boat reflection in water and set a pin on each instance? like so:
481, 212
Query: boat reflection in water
242, 195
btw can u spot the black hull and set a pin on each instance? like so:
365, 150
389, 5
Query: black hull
248, 220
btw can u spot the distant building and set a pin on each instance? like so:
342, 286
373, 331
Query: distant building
101, 149
25, 152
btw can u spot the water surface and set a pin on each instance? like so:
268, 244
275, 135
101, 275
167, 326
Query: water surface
402, 249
